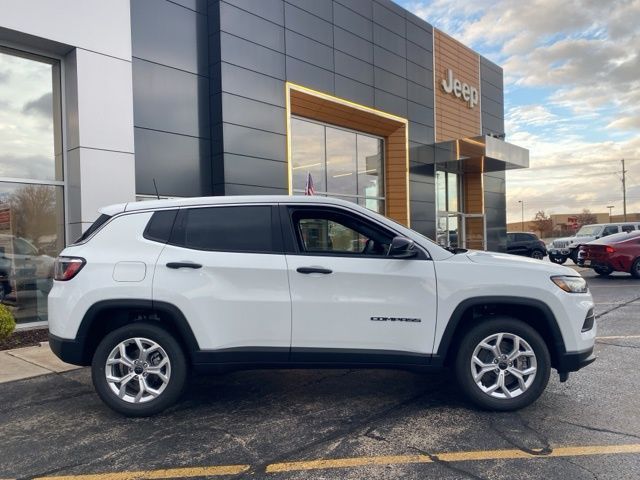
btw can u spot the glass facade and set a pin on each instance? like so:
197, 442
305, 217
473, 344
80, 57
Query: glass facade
340, 163
31, 181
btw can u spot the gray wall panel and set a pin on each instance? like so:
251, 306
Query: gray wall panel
353, 22
322, 9
240, 81
253, 114
251, 27
170, 100
250, 170
389, 40
308, 50
420, 113
196, 5
422, 212
426, 228
420, 75
353, 68
420, 94
249, 55
420, 36
272, 10
363, 7
354, 91
421, 133
309, 75
166, 33
236, 189
390, 103
389, 61
307, 24
390, 83
254, 143
418, 54
353, 45
384, 15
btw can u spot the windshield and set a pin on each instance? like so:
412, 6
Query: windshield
588, 231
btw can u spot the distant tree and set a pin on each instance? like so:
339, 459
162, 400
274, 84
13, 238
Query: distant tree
543, 224
586, 217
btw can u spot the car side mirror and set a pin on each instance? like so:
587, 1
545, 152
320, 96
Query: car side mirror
402, 247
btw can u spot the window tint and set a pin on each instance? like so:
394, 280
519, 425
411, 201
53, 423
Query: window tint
628, 228
160, 225
230, 229
611, 229
511, 237
333, 232
102, 219
523, 237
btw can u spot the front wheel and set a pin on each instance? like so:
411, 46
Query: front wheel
139, 370
603, 271
537, 254
635, 268
558, 260
502, 364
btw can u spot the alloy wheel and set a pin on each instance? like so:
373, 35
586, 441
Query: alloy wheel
503, 365
138, 370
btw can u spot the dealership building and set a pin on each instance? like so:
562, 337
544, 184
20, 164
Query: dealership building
100, 102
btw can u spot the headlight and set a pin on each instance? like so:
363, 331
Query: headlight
571, 284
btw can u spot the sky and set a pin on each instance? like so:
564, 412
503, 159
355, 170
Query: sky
572, 94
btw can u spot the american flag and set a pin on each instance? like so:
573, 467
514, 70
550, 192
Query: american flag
309, 189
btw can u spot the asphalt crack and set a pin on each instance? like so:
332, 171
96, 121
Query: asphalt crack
599, 429
620, 305
617, 344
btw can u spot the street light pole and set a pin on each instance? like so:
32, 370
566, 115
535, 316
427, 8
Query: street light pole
522, 217
610, 207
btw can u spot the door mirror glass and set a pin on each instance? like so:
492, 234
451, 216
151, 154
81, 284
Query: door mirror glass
402, 247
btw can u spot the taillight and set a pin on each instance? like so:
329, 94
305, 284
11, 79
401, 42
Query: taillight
67, 267
609, 249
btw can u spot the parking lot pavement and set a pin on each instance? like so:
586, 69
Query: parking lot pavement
342, 423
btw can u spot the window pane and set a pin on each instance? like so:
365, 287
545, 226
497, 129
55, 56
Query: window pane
30, 138
321, 235
341, 162
232, 229
370, 169
441, 191
307, 154
452, 192
372, 204
31, 236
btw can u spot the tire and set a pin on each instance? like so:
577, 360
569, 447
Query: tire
534, 383
165, 380
603, 271
574, 256
537, 254
635, 268
558, 260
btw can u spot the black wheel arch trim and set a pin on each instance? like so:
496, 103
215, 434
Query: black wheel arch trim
76, 351
457, 315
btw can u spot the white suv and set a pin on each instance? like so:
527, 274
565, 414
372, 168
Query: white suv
154, 289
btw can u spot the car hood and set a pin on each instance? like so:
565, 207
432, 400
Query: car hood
516, 261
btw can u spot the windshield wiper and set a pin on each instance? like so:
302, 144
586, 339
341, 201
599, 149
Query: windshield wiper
456, 250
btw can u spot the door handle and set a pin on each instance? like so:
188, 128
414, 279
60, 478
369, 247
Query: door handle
307, 270
183, 265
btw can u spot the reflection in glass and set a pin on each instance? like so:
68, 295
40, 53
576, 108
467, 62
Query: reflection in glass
370, 170
30, 118
452, 192
307, 154
31, 235
321, 235
341, 161
441, 190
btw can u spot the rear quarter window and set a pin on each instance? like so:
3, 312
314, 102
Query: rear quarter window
95, 226
160, 226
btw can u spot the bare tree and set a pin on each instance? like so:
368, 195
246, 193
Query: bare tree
34, 211
543, 224
586, 217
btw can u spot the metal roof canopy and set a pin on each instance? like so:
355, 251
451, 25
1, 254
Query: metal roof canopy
479, 154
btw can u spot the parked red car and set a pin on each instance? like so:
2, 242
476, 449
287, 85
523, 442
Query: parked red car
615, 253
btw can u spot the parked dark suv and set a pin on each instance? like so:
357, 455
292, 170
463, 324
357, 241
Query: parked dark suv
527, 244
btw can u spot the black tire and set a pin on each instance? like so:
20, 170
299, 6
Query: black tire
537, 254
635, 268
574, 256
177, 377
558, 260
481, 331
603, 271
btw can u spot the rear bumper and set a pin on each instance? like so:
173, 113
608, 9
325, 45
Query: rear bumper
69, 351
574, 361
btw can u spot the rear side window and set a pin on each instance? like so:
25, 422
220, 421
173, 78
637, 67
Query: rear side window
159, 227
95, 226
246, 229
610, 230
628, 228
523, 237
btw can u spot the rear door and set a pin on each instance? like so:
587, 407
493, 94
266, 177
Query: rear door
224, 268
351, 302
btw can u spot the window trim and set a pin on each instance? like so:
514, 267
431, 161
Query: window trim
276, 231
292, 241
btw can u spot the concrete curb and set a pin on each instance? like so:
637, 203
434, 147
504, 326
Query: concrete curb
29, 362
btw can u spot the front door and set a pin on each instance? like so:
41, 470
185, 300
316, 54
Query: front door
350, 301
224, 268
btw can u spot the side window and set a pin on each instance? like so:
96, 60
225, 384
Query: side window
522, 237
229, 229
510, 237
628, 228
159, 227
329, 232
610, 230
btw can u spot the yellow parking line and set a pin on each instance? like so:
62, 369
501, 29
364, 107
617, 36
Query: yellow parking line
617, 337
451, 457
159, 474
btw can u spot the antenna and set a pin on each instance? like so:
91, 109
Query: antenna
156, 187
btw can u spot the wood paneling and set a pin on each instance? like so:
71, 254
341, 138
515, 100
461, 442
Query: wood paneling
337, 112
454, 118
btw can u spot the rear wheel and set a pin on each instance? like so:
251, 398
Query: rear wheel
537, 254
635, 268
139, 370
603, 271
502, 364
574, 256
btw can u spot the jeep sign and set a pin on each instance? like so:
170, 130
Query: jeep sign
461, 90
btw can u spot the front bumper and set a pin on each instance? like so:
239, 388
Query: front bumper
69, 351
574, 361
559, 252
